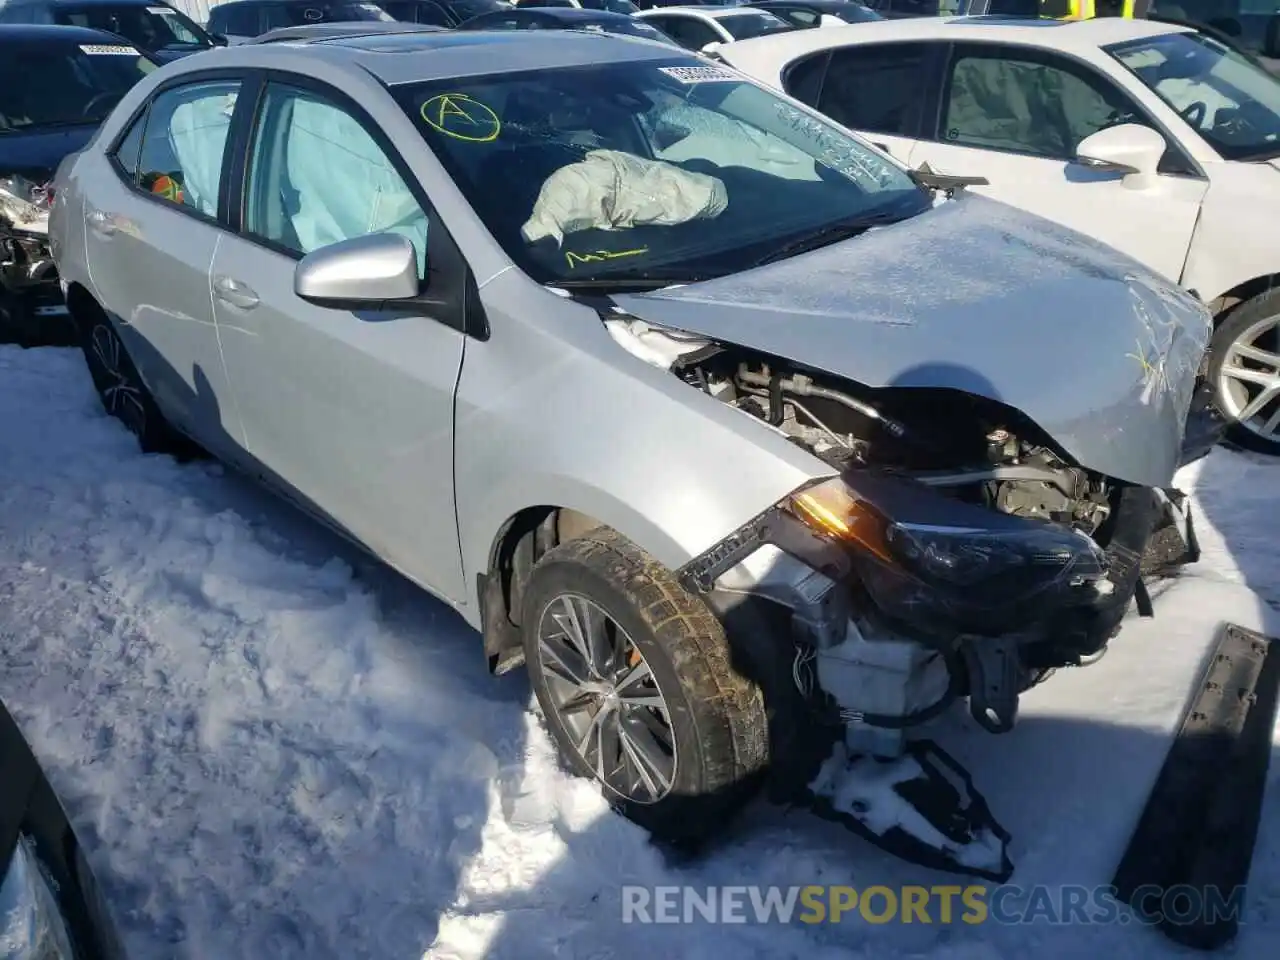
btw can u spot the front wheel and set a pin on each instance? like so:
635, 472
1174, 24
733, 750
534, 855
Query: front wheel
634, 678
1244, 373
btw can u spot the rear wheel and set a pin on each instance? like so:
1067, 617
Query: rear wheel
634, 678
1244, 370
122, 392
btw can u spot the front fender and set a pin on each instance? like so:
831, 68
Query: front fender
552, 412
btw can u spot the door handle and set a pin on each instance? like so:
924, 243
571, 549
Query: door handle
101, 223
235, 293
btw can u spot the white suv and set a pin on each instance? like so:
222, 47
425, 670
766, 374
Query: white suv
1153, 138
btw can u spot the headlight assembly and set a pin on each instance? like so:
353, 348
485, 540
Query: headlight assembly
930, 559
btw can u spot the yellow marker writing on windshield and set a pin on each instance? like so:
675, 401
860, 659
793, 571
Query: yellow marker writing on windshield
458, 116
596, 256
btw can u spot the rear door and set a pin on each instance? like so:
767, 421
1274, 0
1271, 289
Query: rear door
350, 412
153, 222
1015, 115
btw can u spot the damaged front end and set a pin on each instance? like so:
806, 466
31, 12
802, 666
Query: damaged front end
958, 552
31, 305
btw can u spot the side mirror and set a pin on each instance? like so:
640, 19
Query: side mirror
1127, 148
363, 270
218, 40
712, 47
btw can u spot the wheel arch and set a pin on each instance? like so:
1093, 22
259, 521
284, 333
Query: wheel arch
520, 540
83, 306
1222, 305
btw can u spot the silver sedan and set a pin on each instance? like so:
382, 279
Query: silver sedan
744, 438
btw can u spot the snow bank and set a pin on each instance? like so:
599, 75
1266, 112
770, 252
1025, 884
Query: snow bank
276, 749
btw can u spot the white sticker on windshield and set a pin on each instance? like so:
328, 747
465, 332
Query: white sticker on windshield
699, 74
108, 49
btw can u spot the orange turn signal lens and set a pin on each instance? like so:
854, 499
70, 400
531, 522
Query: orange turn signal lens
835, 510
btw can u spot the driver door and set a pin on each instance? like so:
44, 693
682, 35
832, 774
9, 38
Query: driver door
350, 412
1015, 116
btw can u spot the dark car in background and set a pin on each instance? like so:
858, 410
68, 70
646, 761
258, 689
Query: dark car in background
805, 14
611, 6
243, 19
150, 25
57, 84
51, 906
331, 31
529, 17
1252, 27
656, 4
440, 13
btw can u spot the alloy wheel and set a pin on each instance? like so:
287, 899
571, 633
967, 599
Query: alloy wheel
1249, 380
607, 698
121, 393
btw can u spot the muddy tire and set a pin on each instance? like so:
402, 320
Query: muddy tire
1244, 372
634, 677
123, 394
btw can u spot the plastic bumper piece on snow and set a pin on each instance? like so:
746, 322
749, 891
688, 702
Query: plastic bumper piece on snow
921, 807
1200, 823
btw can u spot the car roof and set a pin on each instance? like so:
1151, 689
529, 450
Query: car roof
40, 32
1056, 34
231, 3
567, 14
811, 4
714, 11
397, 58
357, 28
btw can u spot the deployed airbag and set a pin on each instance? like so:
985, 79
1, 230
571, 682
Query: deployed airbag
611, 190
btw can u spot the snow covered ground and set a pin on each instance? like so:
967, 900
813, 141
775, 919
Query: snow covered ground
274, 749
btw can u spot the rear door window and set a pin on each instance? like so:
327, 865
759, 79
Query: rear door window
879, 88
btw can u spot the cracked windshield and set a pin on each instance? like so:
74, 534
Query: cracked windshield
649, 171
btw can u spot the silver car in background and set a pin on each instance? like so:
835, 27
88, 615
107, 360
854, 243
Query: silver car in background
746, 441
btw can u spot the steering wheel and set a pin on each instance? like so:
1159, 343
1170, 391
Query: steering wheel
1194, 113
105, 97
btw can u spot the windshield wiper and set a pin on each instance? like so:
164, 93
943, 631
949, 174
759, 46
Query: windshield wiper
928, 178
831, 233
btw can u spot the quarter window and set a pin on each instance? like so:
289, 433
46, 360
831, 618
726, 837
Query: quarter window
130, 149
181, 156
878, 89
317, 177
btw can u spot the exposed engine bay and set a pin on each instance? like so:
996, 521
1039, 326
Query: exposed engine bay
1013, 473
986, 560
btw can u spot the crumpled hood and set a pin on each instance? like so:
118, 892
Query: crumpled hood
977, 296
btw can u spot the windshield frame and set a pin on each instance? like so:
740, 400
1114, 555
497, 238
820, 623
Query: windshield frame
910, 200
1226, 151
